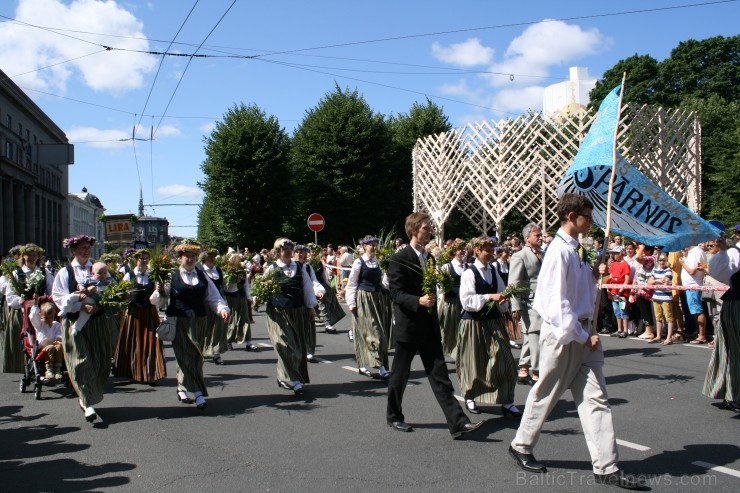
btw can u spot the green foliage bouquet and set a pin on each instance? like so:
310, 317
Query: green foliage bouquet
266, 286
161, 266
117, 295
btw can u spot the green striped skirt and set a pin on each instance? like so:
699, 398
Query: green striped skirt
287, 330
723, 375
449, 322
485, 365
371, 326
188, 355
88, 357
239, 330
12, 351
214, 341
329, 311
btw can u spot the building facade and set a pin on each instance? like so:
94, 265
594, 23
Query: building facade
34, 174
127, 230
85, 211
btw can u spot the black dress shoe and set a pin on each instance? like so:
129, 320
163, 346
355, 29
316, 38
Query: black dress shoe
514, 414
732, 406
284, 385
252, 348
466, 428
525, 380
401, 426
365, 371
527, 461
619, 478
218, 361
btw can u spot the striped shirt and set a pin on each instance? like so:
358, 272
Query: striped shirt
660, 274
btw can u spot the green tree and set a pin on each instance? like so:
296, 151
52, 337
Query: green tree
248, 193
341, 168
642, 81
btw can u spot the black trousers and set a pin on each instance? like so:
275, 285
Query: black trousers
433, 359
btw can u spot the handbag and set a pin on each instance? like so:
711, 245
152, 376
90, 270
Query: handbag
707, 295
167, 329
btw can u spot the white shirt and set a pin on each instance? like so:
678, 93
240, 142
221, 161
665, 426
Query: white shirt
354, 278
566, 290
471, 301
318, 289
309, 299
66, 301
692, 260
724, 264
45, 334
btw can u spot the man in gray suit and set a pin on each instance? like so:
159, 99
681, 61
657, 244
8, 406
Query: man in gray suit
523, 271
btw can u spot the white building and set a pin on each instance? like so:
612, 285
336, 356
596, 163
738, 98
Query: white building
85, 211
568, 96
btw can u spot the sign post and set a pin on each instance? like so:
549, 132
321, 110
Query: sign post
315, 223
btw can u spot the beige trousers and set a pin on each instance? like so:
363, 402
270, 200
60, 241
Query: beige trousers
576, 368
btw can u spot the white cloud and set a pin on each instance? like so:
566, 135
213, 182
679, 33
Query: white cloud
207, 128
469, 53
519, 100
463, 120
463, 89
49, 59
99, 138
542, 46
179, 190
167, 131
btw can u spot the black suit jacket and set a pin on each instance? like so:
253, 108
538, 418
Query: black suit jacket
413, 322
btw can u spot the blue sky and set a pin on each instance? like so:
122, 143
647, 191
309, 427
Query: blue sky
393, 53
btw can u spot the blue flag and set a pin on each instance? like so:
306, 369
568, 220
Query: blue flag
640, 209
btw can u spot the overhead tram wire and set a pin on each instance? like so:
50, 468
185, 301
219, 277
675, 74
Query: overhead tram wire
188, 65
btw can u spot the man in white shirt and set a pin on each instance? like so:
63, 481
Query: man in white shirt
571, 356
693, 269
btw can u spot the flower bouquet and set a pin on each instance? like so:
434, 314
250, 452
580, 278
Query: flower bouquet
35, 283
117, 296
509, 291
266, 286
8, 270
231, 265
434, 278
161, 266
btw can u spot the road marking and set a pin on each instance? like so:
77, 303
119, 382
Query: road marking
705, 346
263, 344
461, 399
351, 369
717, 468
321, 360
636, 446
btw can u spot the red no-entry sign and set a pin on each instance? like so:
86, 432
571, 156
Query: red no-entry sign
315, 222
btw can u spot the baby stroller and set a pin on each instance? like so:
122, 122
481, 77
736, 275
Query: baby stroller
34, 357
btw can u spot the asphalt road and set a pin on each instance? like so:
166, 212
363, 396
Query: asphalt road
257, 437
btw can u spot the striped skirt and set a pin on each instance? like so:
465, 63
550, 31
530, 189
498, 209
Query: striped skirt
449, 322
287, 330
214, 340
485, 365
239, 330
371, 326
139, 355
188, 354
88, 357
329, 311
723, 375
12, 350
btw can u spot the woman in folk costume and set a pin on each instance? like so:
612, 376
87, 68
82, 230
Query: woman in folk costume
329, 311
9, 357
300, 255
113, 261
87, 353
288, 313
214, 337
236, 291
370, 302
191, 293
485, 365
449, 319
723, 374
28, 279
139, 355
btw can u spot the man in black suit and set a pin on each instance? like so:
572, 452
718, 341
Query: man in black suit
417, 330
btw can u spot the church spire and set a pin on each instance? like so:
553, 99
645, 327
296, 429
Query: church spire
141, 202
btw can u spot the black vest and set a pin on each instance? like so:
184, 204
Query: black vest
291, 289
187, 300
142, 293
482, 287
454, 291
370, 278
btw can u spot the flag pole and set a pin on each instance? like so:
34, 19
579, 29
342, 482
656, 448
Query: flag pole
608, 220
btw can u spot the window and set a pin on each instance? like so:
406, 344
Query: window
10, 122
8, 149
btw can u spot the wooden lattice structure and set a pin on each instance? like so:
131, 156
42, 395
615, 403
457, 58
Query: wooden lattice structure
488, 169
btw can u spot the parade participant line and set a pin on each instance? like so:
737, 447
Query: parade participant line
714, 467
663, 287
